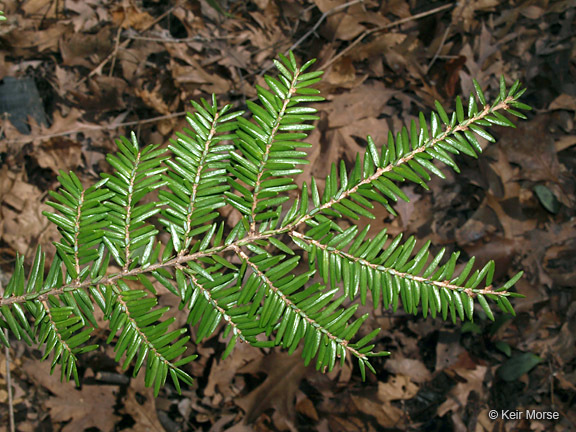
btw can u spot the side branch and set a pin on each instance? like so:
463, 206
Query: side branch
199, 169
439, 284
235, 329
269, 144
129, 205
411, 155
296, 309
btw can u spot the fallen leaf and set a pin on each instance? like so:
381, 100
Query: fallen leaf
413, 368
140, 404
91, 406
387, 415
470, 380
399, 387
284, 373
87, 50
131, 17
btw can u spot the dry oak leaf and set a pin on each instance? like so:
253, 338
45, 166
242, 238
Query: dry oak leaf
24, 43
21, 221
144, 413
221, 379
403, 366
92, 406
386, 414
458, 396
131, 17
278, 390
399, 387
86, 49
60, 153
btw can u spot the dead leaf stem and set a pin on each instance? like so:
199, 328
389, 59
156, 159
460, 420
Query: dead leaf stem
96, 127
385, 27
313, 29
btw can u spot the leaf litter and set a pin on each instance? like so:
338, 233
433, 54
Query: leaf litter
103, 68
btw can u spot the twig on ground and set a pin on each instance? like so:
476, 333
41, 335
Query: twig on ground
93, 128
124, 44
385, 27
98, 69
314, 28
115, 52
321, 20
437, 53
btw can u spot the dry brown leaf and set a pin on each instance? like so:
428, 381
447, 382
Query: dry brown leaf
60, 124
88, 50
367, 100
28, 42
563, 101
464, 12
306, 406
284, 373
381, 44
353, 135
413, 368
400, 8
458, 395
60, 153
22, 224
153, 98
342, 26
387, 415
194, 76
92, 406
328, 5
399, 387
105, 93
531, 147
564, 142
532, 11
448, 350
131, 17
343, 74
89, 14
559, 262
39, 7
222, 373
140, 404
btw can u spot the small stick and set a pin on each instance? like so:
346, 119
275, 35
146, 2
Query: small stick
384, 27
115, 52
314, 28
117, 47
439, 48
320, 21
94, 128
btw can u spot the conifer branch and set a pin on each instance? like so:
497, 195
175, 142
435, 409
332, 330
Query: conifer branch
269, 142
290, 305
223, 312
393, 272
264, 301
503, 105
197, 173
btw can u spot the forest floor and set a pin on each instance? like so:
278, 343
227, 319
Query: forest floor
91, 71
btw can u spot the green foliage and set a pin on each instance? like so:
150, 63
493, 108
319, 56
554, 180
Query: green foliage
287, 274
